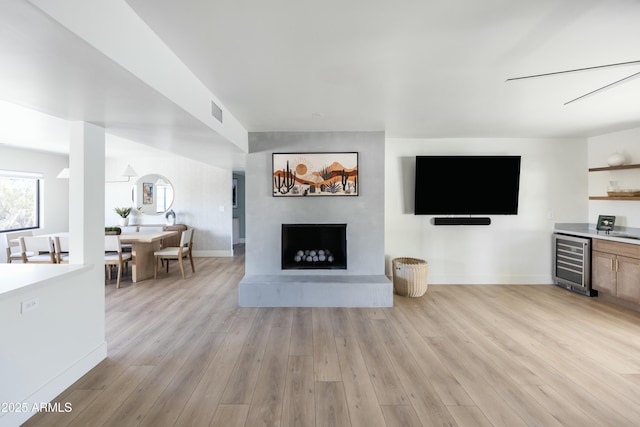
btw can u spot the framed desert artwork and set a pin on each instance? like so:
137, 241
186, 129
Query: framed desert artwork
315, 174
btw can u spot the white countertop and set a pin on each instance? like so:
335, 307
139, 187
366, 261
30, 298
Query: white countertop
16, 276
619, 234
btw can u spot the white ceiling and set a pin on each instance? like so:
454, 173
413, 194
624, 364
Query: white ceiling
414, 68
33, 130
48, 69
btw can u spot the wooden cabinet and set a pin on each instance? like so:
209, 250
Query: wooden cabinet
629, 279
175, 240
615, 269
603, 275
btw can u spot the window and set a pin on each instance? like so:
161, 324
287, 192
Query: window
19, 201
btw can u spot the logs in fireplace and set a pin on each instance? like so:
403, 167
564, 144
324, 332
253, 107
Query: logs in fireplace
314, 246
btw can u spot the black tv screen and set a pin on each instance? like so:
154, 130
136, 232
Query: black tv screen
467, 185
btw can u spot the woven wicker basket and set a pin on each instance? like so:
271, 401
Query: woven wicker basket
409, 276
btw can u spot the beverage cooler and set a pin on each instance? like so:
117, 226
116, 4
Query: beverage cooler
572, 263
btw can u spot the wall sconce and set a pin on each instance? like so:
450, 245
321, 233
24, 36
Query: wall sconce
128, 172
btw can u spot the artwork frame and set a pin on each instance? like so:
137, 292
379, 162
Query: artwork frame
147, 193
234, 193
606, 223
315, 174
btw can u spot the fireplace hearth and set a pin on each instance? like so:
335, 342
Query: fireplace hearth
314, 246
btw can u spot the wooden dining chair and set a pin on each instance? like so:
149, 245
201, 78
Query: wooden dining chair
37, 249
114, 256
177, 252
13, 245
61, 245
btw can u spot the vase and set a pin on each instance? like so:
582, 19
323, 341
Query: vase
124, 222
616, 159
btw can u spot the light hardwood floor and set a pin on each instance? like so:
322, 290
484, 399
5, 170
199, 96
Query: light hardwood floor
182, 353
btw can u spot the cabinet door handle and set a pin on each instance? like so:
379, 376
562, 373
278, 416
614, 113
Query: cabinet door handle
611, 262
617, 264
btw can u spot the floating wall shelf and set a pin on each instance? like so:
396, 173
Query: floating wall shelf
614, 168
612, 198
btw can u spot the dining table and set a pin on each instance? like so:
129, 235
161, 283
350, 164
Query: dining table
143, 246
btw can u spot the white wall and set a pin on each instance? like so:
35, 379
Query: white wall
201, 191
625, 142
54, 213
46, 350
513, 249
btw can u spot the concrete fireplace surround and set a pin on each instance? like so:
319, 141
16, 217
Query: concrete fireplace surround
363, 283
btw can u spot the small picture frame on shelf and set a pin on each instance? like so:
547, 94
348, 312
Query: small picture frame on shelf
605, 223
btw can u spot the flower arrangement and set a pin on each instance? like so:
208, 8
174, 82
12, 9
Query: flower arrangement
123, 212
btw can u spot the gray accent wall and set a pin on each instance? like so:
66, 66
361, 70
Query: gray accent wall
363, 214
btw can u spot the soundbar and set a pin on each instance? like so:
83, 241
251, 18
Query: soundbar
481, 220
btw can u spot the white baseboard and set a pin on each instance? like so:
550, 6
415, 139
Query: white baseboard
57, 385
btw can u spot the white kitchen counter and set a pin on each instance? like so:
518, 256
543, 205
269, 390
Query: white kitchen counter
15, 277
619, 234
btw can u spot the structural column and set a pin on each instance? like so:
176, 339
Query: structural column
86, 194
86, 210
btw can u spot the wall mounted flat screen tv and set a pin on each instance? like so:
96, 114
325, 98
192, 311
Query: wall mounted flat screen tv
467, 185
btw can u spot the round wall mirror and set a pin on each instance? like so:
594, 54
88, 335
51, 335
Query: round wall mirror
153, 194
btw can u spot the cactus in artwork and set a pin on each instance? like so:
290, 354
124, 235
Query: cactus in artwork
325, 173
333, 187
285, 182
344, 180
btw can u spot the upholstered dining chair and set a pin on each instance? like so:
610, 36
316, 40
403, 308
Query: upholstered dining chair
177, 252
61, 244
13, 245
37, 249
114, 256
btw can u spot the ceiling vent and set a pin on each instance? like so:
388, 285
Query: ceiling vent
216, 111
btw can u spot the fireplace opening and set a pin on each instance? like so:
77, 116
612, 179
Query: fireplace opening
314, 246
